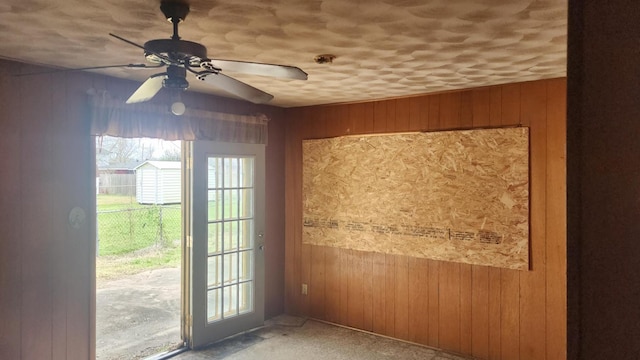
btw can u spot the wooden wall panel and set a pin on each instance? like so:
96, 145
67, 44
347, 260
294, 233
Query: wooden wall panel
378, 294
532, 325
332, 285
358, 308
481, 104
401, 301
291, 290
486, 312
495, 330
60, 253
556, 221
10, 249
466, 283
389, 272
36, 195
79, 247
449, 275
418, 273
355, 311
274, 232
510, 280
433, 307
317, 282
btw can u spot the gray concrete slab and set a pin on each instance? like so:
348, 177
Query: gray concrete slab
138, 315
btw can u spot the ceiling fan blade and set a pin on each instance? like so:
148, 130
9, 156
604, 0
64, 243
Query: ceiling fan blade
129, 66
127, 41
148, 89
237, 87
165, 59
253, 68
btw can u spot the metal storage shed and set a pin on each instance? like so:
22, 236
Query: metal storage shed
158, 182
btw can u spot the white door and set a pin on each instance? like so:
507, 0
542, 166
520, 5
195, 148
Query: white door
227, 261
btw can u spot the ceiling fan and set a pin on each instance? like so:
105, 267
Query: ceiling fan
181, 57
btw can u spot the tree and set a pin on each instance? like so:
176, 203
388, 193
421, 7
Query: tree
171, 151
116, 150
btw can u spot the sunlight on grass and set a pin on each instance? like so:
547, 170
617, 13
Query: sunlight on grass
113, 267
134, 238
111, 202
124, 231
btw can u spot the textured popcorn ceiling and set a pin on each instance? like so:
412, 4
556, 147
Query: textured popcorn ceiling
384, 48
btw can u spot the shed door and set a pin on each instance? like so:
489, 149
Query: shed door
227, 270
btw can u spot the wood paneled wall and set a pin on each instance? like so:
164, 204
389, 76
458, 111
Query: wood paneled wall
486, 312
46, 169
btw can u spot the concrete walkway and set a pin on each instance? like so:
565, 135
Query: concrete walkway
138, 315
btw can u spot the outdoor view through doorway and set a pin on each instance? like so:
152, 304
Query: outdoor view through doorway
138, 203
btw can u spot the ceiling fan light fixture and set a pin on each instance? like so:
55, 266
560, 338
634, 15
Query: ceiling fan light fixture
178, 108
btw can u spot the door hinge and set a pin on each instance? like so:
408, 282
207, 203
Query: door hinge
189, 241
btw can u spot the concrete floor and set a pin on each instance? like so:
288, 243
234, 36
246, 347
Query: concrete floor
293, 338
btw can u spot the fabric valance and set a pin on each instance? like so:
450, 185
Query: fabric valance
111, 116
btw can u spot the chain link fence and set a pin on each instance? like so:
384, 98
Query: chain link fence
125, 231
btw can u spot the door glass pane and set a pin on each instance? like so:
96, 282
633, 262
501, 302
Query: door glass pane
230, 238
215, 238
231, 172
214, 205
246, 172
245, 297
214, 304
214, 178
230, 204
245, 270
245, 231
245, 203
214, 271
231, 268
230, 300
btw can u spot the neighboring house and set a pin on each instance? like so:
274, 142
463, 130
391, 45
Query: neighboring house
158, 182
117, 179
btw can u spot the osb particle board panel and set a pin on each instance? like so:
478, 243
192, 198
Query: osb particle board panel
459, 196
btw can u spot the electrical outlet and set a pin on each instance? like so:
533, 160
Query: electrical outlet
304, 289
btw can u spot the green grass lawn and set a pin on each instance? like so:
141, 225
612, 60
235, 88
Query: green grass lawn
113, 267
114, 202
134, 237
128, 230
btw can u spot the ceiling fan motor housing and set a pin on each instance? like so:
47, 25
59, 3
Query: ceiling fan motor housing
182, 52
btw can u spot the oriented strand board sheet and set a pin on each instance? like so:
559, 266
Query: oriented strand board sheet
459, 196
